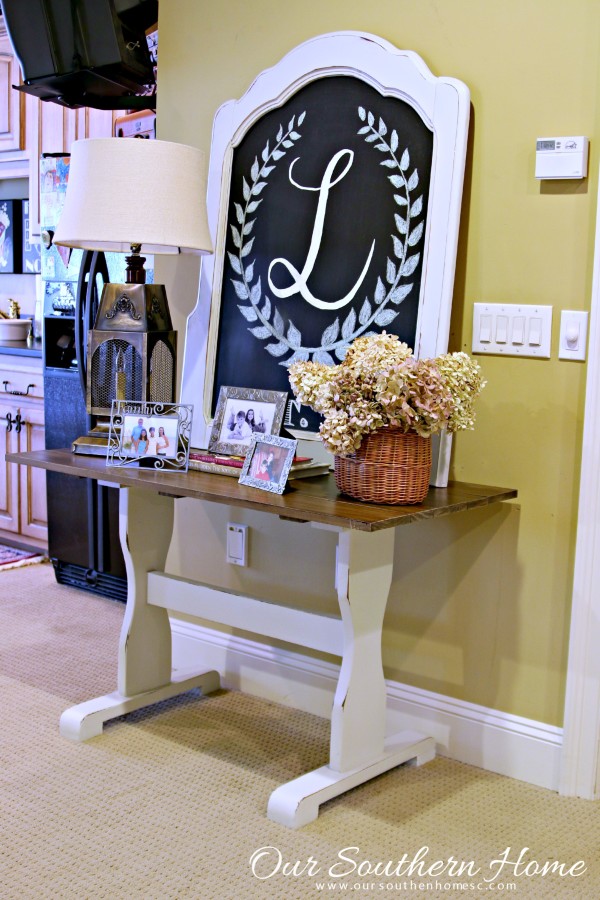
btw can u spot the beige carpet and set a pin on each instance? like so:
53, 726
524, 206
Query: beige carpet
171, 803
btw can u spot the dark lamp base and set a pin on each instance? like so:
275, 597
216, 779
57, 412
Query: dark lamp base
135, 272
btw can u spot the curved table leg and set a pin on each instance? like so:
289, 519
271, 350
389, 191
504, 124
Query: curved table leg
359, 750
144, 660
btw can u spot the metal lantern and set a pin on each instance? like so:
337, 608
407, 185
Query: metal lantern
132, 349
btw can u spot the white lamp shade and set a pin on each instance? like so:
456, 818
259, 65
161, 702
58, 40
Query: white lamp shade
125, 191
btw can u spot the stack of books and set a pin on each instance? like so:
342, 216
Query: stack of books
306, 467
302, 467
202, 461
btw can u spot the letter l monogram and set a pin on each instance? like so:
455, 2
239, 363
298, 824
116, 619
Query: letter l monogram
299, 285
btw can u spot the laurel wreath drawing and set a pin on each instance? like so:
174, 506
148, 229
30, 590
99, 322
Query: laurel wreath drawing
382, 308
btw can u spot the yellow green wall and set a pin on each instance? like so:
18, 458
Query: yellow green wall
480, 603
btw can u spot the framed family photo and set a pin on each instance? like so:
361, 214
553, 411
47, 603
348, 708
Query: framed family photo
241, 413
152, 434
268, 462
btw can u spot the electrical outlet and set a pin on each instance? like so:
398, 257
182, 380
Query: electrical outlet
237, 544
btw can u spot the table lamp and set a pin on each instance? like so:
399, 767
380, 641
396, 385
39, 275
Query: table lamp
125, 194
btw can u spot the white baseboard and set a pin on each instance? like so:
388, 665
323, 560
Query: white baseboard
492, 740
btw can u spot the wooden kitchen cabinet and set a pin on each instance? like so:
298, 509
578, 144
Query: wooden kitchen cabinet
12, 105
22, 492
52, 129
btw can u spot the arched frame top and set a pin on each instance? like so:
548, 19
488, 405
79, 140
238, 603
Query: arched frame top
443, 106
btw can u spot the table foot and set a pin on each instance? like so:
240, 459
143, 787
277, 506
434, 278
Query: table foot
86, 720
297, 803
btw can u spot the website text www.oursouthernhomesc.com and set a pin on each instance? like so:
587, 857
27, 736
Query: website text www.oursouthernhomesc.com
421, 871
406, 887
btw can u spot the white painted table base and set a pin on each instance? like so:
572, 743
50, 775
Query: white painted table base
359, 750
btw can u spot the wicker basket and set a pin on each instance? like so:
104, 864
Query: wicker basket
388, 467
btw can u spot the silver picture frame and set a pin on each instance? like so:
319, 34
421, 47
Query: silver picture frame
151, 435
268, 462
233, 426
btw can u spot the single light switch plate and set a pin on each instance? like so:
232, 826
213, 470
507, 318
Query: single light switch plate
512, 329
573, 334
237, 544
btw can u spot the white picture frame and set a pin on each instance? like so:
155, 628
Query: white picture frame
443, 105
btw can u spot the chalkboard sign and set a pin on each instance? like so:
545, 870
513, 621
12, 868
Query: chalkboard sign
325, 233
334, 200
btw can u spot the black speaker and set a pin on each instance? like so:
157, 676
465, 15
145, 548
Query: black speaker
83, 52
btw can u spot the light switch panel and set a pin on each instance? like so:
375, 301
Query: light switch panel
512, 329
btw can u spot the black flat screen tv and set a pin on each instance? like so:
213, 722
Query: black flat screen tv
84, 52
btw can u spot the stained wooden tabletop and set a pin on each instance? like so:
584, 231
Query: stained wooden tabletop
305, 500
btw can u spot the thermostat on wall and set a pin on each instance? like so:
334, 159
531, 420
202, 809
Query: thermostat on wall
561, 157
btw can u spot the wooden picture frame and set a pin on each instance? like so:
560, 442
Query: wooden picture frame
268, 462
341, 116
228, 436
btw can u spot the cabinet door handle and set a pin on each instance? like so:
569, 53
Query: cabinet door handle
17, 393
18, 422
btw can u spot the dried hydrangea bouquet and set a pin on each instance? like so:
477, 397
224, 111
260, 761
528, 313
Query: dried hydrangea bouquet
380, 406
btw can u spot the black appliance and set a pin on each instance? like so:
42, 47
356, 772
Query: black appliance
84, 52
83, 523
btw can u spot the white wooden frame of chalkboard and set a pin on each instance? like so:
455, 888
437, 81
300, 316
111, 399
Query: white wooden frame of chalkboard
443, 105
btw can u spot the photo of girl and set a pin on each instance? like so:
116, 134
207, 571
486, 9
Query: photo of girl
268, 462
163, 442
265, 466
142, 443
255, 425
